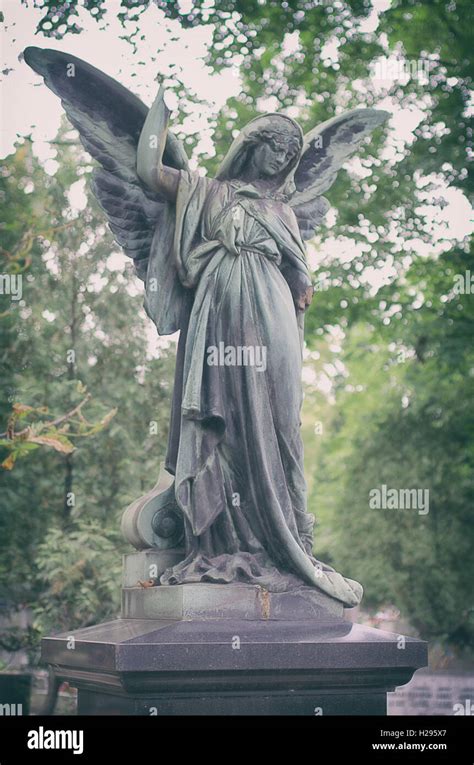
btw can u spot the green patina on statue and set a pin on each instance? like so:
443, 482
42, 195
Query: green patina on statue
223, 261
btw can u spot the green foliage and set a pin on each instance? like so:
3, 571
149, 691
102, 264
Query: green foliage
60, 18
77, 373
398, 423
37, 430
79, 576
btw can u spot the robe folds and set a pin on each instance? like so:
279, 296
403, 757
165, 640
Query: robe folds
235, 446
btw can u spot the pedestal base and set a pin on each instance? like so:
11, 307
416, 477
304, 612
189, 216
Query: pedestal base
247, 663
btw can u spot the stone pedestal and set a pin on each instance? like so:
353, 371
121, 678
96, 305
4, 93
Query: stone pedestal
207, 649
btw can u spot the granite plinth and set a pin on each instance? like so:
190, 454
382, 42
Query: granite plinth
203, 664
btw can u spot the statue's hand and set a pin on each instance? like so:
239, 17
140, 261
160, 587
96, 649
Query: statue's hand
302, 291
300, 286
303, 300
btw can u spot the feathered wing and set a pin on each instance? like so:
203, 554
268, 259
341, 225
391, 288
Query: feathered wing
109, 119
325, 150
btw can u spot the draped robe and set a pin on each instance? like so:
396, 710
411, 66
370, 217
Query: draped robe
235, 446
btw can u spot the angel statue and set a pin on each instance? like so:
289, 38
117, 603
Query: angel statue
223, 261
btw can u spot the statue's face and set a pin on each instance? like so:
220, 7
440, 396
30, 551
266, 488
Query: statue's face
271, 157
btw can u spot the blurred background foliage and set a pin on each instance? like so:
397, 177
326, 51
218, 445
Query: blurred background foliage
397, 358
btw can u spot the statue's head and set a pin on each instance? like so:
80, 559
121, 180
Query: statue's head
268, 148
273, 152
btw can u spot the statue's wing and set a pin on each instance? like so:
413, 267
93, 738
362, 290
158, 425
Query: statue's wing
109, 119
325, 150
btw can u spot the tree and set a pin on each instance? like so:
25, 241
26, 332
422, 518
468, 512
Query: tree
76, 343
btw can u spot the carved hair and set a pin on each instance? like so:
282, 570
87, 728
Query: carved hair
277, 137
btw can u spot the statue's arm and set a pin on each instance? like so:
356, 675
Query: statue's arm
150, 168
296, 272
